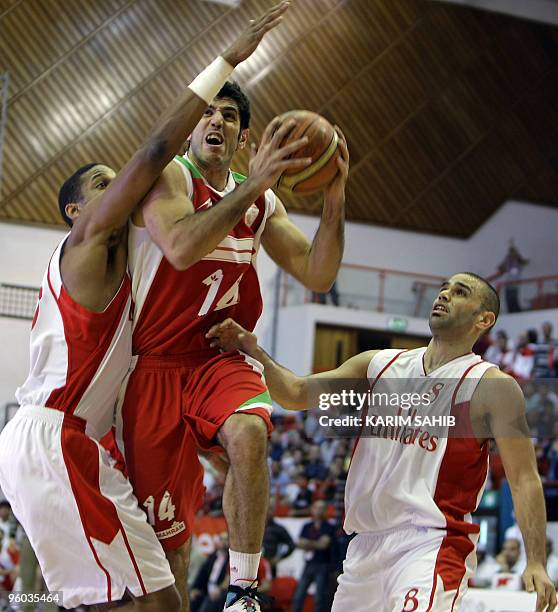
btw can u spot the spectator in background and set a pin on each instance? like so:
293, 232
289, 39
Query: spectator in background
300, 496
279, 479
511, 567
487, 568
545, 421
276, 448
277, 543
498, 352
546, 354
316, 538
542, 417
551, 561
315, 468
544, 392
6, 520
523, 360
9, 563
509, 557
510, 268
531, 398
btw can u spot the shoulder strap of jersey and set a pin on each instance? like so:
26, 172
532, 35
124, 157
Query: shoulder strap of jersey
186, 162
238, 178
381, 361
470, 379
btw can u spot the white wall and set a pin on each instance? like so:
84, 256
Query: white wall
534, 229
24, 254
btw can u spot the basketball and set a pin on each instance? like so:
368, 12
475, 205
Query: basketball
321, 147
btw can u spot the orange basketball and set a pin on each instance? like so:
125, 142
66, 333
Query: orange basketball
321, 147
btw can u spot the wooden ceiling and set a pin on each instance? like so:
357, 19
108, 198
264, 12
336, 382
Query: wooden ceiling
448, 111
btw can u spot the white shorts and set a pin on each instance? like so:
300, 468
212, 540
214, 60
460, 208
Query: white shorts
91, 539
405, 570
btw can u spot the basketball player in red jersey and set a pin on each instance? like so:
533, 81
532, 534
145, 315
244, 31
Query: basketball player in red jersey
92, 540
409, 493
188, 274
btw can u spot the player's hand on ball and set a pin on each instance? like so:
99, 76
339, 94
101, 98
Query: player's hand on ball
248, 41
230, 336
334, 193
272, 158
536, 579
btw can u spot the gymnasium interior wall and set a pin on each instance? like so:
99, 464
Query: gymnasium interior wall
25, 251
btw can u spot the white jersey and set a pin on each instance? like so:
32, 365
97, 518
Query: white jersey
418, 476
78, 357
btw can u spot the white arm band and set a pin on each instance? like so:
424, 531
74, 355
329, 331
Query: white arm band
208, 83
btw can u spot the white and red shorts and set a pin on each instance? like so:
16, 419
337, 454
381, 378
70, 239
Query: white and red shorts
407, 570
79, 512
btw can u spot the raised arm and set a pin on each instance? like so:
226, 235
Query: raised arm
499, 397
185, 237
291, 391
111, 209
315, 264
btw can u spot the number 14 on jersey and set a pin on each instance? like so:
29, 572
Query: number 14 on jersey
230, 298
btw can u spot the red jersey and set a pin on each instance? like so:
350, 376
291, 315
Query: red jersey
174, 309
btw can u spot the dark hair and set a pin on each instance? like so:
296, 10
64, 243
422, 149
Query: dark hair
71, 191
532, 336
490, 300
232, 90
5, 504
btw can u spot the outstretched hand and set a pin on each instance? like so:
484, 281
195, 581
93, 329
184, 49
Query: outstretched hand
230, 336
243, 47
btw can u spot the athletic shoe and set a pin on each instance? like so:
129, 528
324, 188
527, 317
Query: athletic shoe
244, 600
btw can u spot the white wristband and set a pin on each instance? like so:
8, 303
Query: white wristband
208, 83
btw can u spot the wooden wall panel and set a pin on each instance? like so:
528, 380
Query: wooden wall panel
448, 111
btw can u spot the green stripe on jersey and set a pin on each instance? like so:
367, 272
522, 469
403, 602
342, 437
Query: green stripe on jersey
262, 398
186, 162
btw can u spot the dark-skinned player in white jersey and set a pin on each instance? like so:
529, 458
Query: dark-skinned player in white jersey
410, 494
92, 540
182, 395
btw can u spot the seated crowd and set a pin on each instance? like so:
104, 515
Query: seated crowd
308, 473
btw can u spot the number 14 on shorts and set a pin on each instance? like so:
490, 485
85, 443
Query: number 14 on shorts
165, 511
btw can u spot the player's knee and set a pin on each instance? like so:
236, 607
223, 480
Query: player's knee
244, 433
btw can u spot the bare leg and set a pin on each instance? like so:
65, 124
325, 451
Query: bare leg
246, 494
179, 559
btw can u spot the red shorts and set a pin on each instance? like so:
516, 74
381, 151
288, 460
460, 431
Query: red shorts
172, 407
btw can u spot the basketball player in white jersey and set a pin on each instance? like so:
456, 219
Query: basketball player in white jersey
91, 539
410, 493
